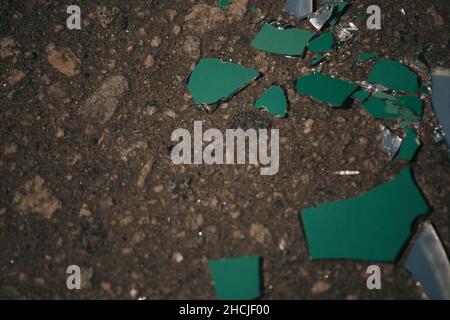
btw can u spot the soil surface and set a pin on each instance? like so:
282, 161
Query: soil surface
86, 176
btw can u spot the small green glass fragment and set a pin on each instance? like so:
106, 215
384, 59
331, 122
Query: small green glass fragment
426, 48
367, 56
412, 103
291, 41
402, 112
393, 75
373, 226
424, 90
323, 43
212, 80
359, 17
253, 9
338, 10
318, 58
376, 107
404, 123
361, 95
408, 107
274, 101
409, 146
224, 3
384, 95
236, 278
325, 88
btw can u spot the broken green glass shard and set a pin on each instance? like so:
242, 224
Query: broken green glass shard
325, 88
338, 10
385, 106
213, 80
318, 58
392, 107
412, 103
373, 226
367, 56
290, 41
361, 95
428, 263
409, 146
384, 95
323, 43
376, 107
410, 107
236, 278
394, 75
274, 101
224, 3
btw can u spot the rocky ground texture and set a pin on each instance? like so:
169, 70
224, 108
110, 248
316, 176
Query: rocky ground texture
85, 171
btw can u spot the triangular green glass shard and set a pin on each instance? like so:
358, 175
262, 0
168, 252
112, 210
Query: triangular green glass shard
409, 146
274, 101
361, 95
323, 43
411, 102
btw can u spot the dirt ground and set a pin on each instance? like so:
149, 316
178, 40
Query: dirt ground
86, 176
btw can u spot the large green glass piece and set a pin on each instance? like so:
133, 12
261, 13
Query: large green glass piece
326, 89
292, 41
394, 75
373, 226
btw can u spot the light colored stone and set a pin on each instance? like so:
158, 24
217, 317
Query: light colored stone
15, 76
177, 257
34, 197
308, 126
192, 47
260, 233
320, 287
10, 149
156, 42
149, 61
101, 105
145, 171
63, 60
